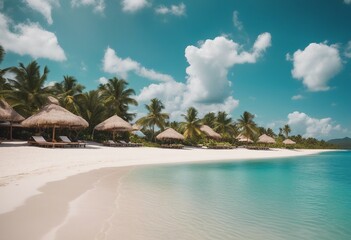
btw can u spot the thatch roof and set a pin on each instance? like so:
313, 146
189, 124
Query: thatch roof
170, 134
53, 115
7, 113
266, 139
53, 100
289, 142
242, 138
210, 132
136, 127
114, 123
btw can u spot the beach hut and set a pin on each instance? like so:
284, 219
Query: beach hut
210, 132
242, 138
9, 115
136, 127
169, 134
114, 124
54, 116
266, 139
289, 142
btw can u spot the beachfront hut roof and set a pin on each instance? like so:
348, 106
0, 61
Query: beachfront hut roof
289, 142
242, 138
266, 139
136, 127
53, 115
52, 100
7, 113
115, 124
170, 134
210, 132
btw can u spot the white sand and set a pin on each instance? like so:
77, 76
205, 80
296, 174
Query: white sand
24, 169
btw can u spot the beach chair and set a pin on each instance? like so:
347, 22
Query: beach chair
65, 139
111, 143
41, 142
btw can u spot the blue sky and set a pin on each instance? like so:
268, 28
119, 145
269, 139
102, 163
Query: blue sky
285, 61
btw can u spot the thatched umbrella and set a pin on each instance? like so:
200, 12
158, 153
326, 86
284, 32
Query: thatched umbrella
170, 134
242, 138
289, 142
210, 132
54, 116
136, 127
7, 113
266, 139
114, 124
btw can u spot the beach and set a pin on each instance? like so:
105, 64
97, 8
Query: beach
51, 184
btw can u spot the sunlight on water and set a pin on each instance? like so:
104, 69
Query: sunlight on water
305, 198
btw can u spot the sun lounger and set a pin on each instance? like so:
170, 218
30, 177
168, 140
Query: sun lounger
111, 143
41, 142
65, 139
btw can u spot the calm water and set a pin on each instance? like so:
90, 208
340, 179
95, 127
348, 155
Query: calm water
297, 198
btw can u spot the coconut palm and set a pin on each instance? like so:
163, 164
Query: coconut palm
192, 124
270, 132
4, 85
117, 97
2, 53
67, 92
209, 119
246, 125
286, 130
91, 108
224, 125
28, 93
155, 116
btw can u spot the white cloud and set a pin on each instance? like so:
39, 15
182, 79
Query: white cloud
347, 1
207, 87
103, 80
116, 65
177, 10
134, 5
49, 84
31, 39
98, 5
44, 7
237, 23
83, 66
297, 97
316, 65
348, 49
307, 126
209, 64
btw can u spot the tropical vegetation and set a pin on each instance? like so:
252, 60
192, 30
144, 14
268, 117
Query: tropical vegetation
27, 91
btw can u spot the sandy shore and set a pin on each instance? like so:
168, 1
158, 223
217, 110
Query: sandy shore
24, 169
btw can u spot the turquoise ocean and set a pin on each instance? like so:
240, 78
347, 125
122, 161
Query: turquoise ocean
292, 198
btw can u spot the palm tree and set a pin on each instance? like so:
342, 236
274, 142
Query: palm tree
270, 132
4, 85
224, 125
117, 97
286, 130
2, 53
67, 92
192, 124
246, 125
91, 108
209, 119
155, 116
28, 93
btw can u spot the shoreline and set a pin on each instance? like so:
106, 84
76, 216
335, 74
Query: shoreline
25, 169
